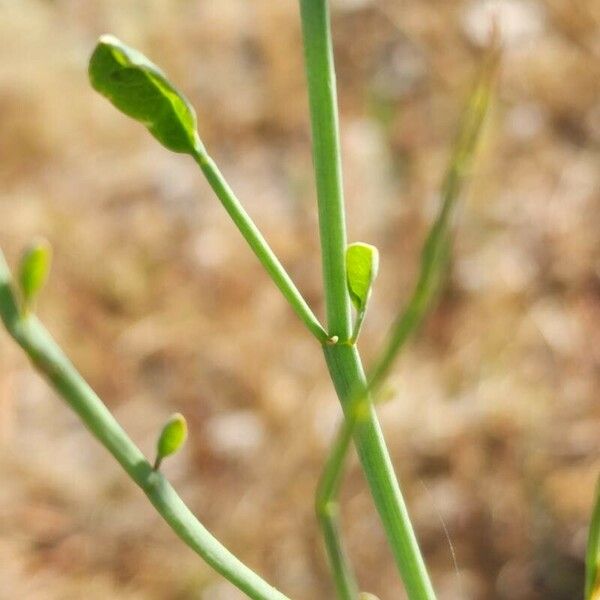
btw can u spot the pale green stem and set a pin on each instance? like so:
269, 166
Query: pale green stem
343, 360
258, 244
318, 52
327, 509
347, 374
51, 362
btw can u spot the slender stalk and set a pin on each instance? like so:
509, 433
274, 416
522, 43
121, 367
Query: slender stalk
259, 245
327, 509
343, 360
436, 250
592, 558
51, 362
318, 53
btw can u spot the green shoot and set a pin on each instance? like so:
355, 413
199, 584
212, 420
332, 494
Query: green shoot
171, 439
60, 373
33, 272
322, 98
362, 265
343, 360
142, 91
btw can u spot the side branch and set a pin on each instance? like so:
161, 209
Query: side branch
52, 363
258, 244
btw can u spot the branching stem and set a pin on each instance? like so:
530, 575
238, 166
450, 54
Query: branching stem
51, 362
343, 361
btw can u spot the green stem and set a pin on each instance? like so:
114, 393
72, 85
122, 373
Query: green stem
346, 371
259, 245
318, 52
327, 509
48, 358
343, 360
592, 558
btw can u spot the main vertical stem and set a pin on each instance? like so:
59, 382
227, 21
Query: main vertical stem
322, 96
343, 361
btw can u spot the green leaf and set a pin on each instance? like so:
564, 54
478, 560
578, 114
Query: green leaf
172, 437
33, 270
138, 88
362, 264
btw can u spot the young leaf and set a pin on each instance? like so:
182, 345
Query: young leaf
362, 264
33, 271
138, 88
172, 437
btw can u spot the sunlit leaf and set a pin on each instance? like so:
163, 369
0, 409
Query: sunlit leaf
138, 88
362, 264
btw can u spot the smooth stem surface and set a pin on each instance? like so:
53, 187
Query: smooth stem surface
318, 54
346, 371
343, 360
327, 509
259, 245
592, 559
51, 362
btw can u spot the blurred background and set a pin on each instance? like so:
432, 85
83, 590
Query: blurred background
494, 423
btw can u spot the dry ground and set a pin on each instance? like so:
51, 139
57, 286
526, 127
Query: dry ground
494, 426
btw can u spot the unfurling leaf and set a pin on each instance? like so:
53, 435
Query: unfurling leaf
33, 271
138, 88
172, 437
362, 264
